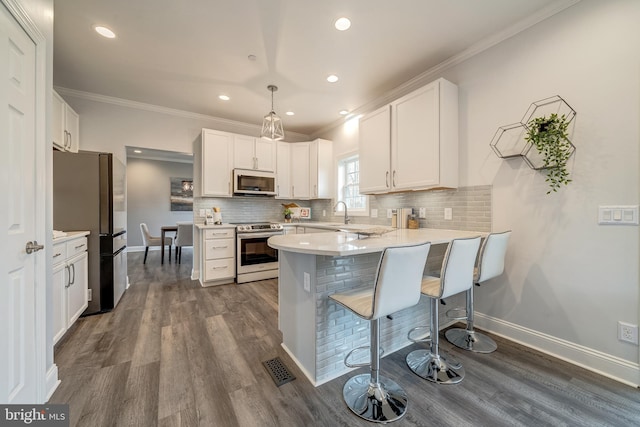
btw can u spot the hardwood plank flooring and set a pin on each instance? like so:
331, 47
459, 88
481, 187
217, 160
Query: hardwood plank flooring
176, 354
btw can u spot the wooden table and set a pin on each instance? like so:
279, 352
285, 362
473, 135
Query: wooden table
163, 231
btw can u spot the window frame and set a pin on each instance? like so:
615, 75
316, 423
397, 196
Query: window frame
340, 179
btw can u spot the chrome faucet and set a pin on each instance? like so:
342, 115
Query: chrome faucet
346, 215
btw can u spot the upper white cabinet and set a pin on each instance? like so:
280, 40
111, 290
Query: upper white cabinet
65, 125
283, 170
254, 153
412, 143
213, 163
300, 170
321, 169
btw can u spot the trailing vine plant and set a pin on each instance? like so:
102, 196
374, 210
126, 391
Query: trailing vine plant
549, 136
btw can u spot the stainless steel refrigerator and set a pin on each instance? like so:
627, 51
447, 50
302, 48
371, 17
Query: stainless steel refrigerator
89, 194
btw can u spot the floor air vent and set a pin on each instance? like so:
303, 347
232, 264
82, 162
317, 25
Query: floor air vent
278, 371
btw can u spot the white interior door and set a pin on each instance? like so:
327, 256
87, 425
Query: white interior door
18, 371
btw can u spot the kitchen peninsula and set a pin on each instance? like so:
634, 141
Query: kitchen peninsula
318, 333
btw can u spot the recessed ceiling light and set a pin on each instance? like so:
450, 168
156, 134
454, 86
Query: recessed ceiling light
224, 97
332, 78
290, 113
105, 32
344, 112
343, 24
137, 151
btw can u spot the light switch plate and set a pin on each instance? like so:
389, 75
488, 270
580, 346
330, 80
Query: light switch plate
389, 213
307, 282
618, 215
422, 213
374, 213
448, 213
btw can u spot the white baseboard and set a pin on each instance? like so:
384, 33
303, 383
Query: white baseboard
604, 364
52, 381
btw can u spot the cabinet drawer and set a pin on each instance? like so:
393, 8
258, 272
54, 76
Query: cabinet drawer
224, 233
76, 246
219, 248
59, 253
219, 269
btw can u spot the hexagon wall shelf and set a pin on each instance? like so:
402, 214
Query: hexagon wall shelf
509, 140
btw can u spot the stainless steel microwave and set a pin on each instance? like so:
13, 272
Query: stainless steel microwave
254, 183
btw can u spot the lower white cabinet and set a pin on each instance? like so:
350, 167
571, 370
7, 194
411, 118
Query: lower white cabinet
218, 256
70, 283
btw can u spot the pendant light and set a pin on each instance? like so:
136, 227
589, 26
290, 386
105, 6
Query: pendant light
272, 124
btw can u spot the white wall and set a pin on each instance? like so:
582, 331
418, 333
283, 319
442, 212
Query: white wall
568, 280
148, 190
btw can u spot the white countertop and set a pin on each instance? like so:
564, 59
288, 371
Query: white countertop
70, 236
221, 226
344, 243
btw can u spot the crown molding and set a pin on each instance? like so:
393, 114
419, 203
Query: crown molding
431, 74
239, 127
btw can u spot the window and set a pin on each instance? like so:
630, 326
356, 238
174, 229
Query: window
349, 186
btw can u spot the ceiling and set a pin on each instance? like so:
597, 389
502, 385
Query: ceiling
183, 55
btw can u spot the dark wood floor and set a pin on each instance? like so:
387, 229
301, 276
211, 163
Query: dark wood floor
173, 353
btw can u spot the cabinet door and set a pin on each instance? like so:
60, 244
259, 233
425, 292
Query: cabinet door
57, 122
374, 145
243, 152
415, 139
321, 172
59, 302
217, 161
283, 171
77, 287
265, 153
300, 170
72, 126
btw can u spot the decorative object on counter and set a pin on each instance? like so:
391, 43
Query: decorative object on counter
217, 216
289, 210
272, 124
413, 222
541, 138
287, 214
181, 194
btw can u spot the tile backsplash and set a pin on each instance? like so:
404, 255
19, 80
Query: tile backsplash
471, 208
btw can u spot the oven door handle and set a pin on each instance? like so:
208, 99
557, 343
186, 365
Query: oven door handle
258, 235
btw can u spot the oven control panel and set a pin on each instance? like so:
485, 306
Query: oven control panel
259, 227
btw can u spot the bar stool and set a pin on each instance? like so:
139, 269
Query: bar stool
397, 286
456, 276
490, 265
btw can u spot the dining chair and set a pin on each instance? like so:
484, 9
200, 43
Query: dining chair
397, 286
456, 276
490, 265
149, 240
184, 237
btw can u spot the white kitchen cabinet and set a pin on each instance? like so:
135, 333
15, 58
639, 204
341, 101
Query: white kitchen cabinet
70, 282
411, 144
283, 170
65, 125
254, 153
300, 170
321, 169
218, 256
213, 163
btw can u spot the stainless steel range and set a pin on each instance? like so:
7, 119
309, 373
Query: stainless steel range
255, 259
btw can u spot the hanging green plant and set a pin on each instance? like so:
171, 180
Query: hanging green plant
550, 138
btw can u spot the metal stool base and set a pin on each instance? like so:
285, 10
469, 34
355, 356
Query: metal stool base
472, 341
380, 403
439, 369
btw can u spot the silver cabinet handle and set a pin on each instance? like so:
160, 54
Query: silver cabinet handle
219, 247
57, 255
68, 276
293, 190
394, 178
33, 247
315, 190
74, 275
386, 179
219, 268
79, 246
278, 189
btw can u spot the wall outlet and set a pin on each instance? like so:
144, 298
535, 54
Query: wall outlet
422, 213
90, 295
374, 213
202, 213
307, 282
324, 212
628, 332
448, 213
389, 213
